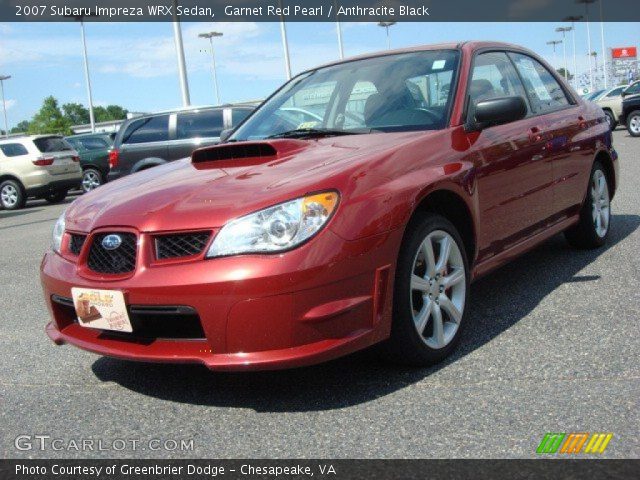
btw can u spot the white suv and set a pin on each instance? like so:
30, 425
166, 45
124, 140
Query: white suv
41, 166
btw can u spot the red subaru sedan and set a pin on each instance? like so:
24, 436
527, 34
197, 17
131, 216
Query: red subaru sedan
354, 207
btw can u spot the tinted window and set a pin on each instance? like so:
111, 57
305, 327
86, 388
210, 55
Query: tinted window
13, 149
238, 115
207, 123
545, 93
494, 76
93, 143
634, 88
52, 144
615, 92
151, 129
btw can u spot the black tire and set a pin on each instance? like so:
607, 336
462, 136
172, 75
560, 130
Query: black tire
12, 195
56, 197
405, 344
584, 234
633, 123
611, 120
91, 179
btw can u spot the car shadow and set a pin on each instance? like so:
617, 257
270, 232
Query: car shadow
362, 377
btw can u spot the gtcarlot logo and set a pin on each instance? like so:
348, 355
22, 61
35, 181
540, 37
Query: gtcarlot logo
47, 442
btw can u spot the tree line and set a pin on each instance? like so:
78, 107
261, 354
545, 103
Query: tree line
51, 118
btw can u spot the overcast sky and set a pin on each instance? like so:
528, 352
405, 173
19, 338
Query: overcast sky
134, 64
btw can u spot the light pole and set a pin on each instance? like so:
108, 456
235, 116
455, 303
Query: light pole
564, 30
386, 26
339, 32
604, 55
553, 43
4, 105
285, 43
211, 36
182, 67
80, 18
573, 19
586, 16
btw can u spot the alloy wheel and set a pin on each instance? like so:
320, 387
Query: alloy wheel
438, 289
90, 181
634, 124
9, 196
600, 208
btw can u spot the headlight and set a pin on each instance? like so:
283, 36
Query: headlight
58, 232
276, 228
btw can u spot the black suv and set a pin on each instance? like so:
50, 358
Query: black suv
631, 115
150, 140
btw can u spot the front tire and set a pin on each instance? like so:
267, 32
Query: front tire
633, 123
592, 229
56, 197
430, 292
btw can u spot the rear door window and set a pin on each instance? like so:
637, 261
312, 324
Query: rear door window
545, 93
94, 143
207, 123
13, 149
52, 144
145, 130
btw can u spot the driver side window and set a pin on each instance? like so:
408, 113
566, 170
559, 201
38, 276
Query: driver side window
494, 76
354, 110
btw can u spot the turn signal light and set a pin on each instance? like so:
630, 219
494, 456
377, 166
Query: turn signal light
113, 158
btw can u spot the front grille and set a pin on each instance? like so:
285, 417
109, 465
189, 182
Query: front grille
181, 245
149, 322
76, 242
119, 260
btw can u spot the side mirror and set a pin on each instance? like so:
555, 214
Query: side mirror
225, 134
623, 93
497, 111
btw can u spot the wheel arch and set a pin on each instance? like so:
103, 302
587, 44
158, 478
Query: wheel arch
607, 163
8, 176
454, 208
147, 163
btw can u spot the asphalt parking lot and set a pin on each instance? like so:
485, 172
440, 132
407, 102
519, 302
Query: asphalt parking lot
551, 345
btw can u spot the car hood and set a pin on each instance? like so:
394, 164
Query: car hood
186, 194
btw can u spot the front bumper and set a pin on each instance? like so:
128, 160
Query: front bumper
325, 299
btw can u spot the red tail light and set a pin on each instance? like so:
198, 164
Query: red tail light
113, 158
75, 158
43, 162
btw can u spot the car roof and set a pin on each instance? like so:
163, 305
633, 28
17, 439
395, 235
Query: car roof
20, 138
470, 44
195, 108
90, 134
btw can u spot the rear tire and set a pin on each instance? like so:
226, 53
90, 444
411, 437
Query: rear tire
430, 293
633, 123
611, 120
12, 195
91, 179
593, 227
56, 197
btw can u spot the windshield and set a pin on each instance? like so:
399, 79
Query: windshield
408, 91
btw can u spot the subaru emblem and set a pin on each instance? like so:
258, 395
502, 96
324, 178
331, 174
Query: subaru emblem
111, 242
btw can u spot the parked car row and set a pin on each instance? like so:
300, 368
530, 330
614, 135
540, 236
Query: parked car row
610, 100
48, 166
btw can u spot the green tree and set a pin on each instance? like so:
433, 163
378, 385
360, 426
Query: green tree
76, 113
110, 112
23, 126
50, 119
561, 73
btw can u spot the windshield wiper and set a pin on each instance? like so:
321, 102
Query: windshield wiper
317, 132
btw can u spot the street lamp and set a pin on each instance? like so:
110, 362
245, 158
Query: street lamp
182, 66
4, 104
553, 43
285, 42
573, 19
604, 56
564, 30
586, 16
80, 18
211, 36
339, 32
386, 26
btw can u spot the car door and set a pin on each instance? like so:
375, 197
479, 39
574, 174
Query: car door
561, 125
195, 129
145, 138
513, 171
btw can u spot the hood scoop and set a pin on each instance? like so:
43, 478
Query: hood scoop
234, 151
